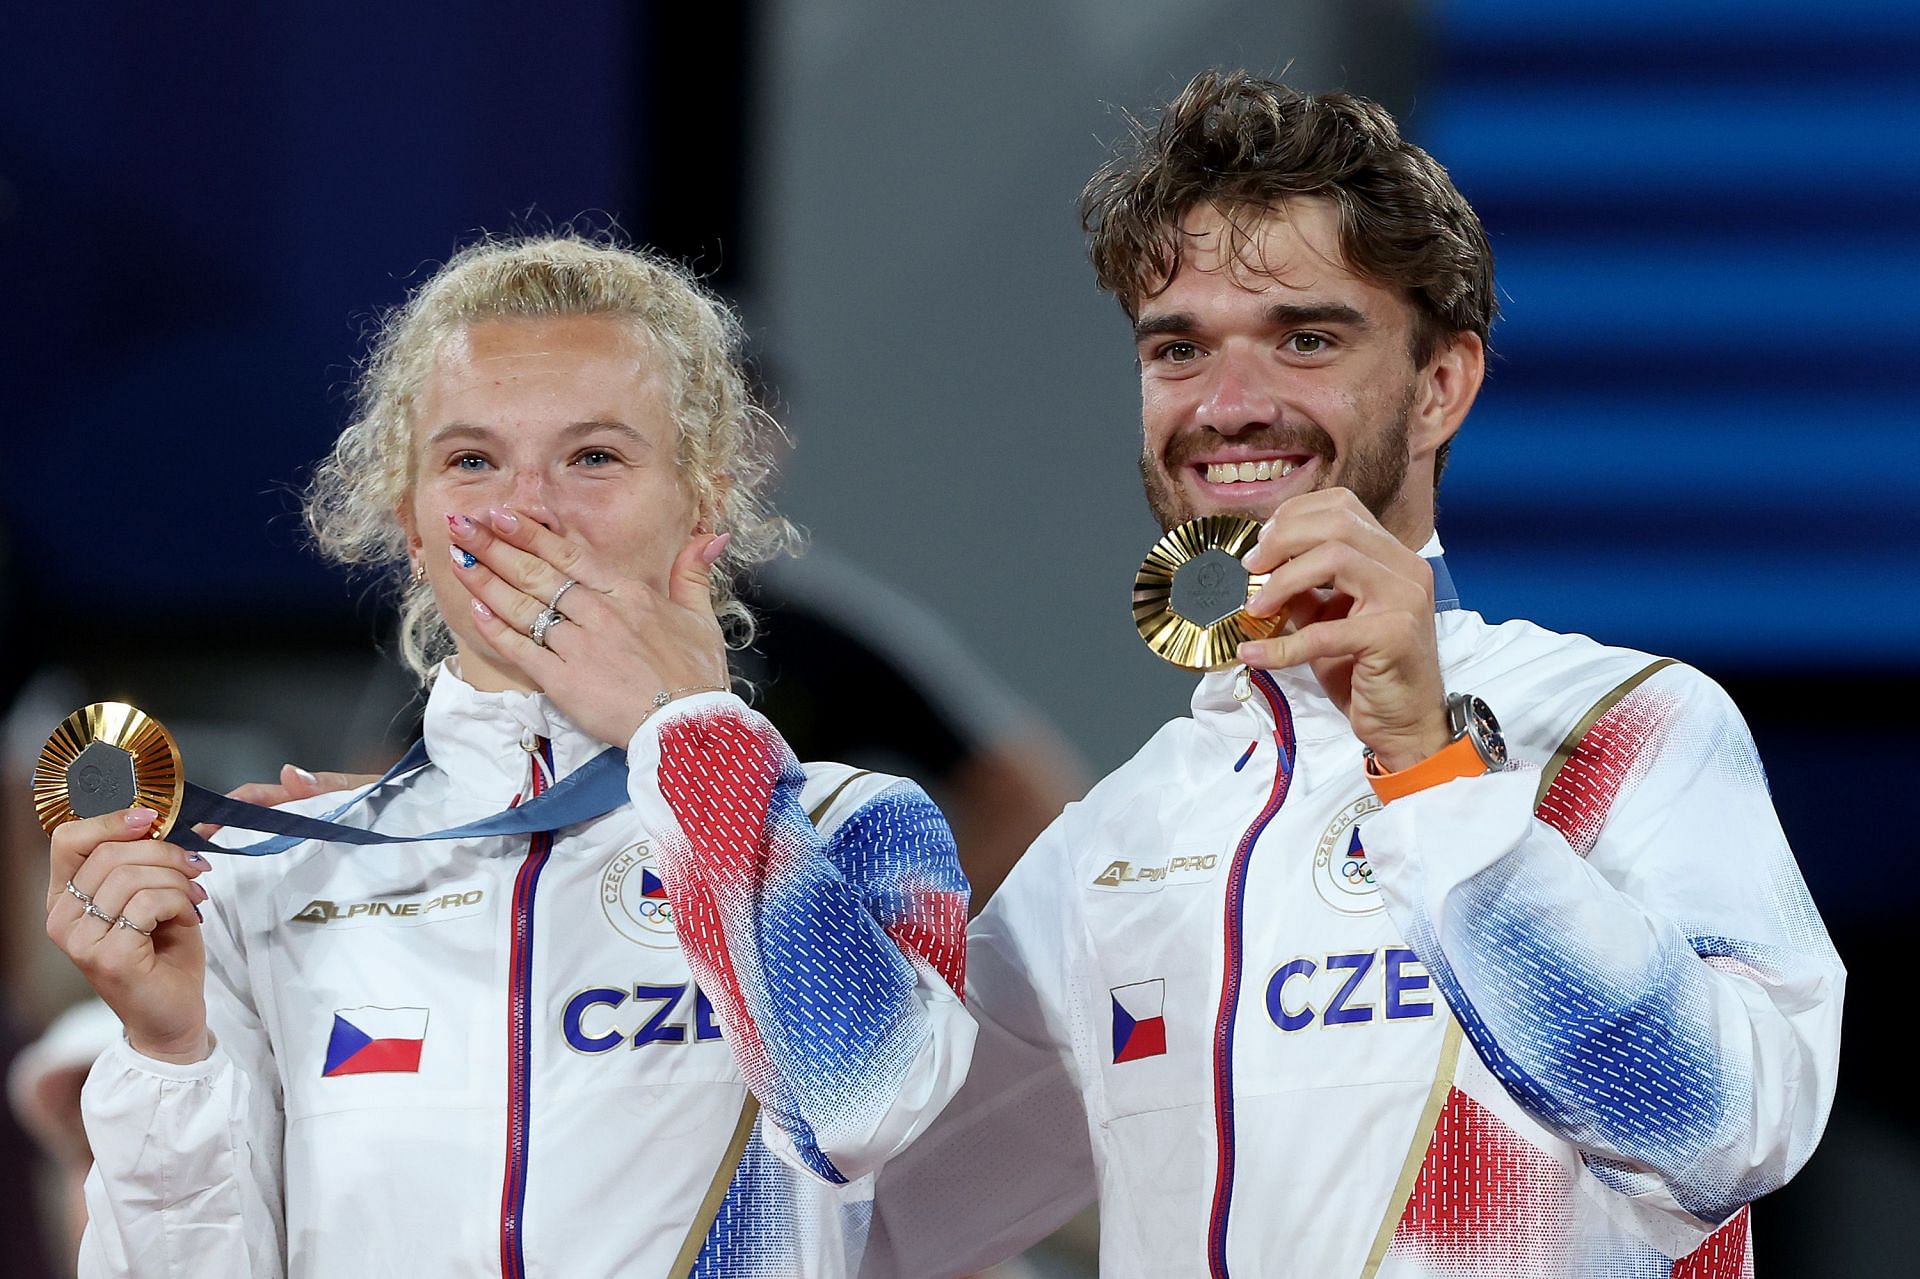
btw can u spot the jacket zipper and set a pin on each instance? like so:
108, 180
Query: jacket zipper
513, 1193
1230, 981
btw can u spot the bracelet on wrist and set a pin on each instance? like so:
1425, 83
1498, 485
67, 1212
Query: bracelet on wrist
666, 695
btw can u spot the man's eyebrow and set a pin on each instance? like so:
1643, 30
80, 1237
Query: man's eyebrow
1148, 326
1280, 314
1286, 314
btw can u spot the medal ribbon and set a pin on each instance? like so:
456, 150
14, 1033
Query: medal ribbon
593, 790
1446, 596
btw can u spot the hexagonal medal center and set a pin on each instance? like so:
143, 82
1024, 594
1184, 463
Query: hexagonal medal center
100, 779
1209, 588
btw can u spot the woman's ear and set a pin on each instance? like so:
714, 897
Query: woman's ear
714, 504
416, 565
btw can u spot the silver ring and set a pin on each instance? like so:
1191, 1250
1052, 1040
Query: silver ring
85, 899
97, 913
124, 922
548, 619
554, 603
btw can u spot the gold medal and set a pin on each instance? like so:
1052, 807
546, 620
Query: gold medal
1191, 594
104, 757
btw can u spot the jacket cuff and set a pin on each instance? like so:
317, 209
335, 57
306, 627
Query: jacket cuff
643, 755
121, 1055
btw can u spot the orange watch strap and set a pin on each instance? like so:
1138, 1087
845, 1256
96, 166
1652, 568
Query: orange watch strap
1457, 758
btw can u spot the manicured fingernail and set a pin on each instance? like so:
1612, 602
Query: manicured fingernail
195, 859
715, 549
138, 817
480, 609
463, 559
460, 524
503, 519
303, 774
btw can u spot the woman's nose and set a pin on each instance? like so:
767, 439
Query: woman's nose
530, 495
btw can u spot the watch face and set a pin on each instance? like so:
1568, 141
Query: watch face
1472, 716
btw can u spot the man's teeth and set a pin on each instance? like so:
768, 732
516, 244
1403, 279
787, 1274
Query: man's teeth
1247, 472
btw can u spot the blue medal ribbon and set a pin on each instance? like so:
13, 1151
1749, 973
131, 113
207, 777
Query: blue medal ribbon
593, 790
1446, 596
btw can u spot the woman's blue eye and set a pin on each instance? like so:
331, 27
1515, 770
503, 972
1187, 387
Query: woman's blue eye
469, 462
595, 457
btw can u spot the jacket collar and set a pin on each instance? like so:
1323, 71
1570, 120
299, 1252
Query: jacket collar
481, 741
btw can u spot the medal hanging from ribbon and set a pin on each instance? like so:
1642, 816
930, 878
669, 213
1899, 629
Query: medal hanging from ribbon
110, 755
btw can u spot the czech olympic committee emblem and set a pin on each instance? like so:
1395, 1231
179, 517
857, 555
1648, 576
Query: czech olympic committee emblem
1340, 870
635, 899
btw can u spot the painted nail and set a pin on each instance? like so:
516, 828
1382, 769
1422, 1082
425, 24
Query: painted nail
196, 860
460, 524
504, 520
715, 549
480, 609
138, 817
464, 559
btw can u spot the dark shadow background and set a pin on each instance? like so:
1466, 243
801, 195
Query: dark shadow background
1699, 439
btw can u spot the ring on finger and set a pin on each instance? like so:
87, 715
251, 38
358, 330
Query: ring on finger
97, 913
124, 922
85, 899
553, 605
548, 619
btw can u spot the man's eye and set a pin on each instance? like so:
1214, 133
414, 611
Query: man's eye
1179, 352
1306, 343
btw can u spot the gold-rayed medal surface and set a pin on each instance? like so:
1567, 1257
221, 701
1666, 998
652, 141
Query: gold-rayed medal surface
1191, 593
104, 757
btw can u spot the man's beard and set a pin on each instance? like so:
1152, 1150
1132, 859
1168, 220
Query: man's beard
1375, 468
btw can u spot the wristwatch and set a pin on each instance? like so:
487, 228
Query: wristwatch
1470, 717
1477, 747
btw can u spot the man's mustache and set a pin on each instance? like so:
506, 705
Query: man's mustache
1184, 450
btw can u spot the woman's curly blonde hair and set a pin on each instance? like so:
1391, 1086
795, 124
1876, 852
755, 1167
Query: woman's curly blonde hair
356, 494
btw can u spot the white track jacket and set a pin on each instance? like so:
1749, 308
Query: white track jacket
1562, 1020
544, 1056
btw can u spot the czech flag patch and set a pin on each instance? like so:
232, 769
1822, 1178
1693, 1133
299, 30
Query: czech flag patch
368, 1041
1139, 1024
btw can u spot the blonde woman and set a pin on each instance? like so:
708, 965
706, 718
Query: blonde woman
678, 1037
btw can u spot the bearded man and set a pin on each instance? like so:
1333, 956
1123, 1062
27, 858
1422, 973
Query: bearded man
1424, 946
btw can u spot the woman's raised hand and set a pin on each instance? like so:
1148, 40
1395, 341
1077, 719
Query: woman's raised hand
125, 909
617, 644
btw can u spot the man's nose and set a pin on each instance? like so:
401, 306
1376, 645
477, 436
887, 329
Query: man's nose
1239, 396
